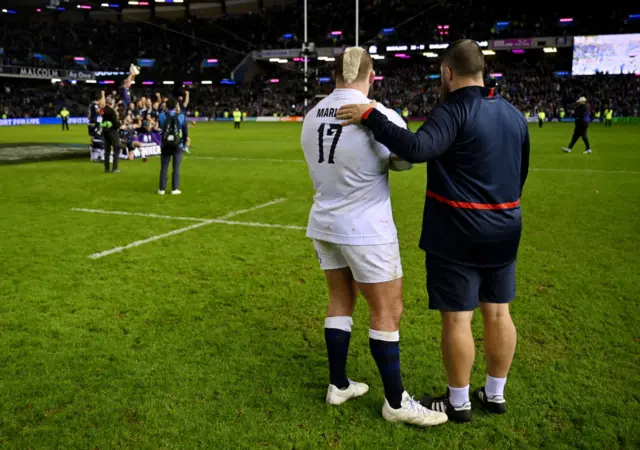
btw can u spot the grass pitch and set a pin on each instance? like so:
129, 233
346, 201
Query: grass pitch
212, 337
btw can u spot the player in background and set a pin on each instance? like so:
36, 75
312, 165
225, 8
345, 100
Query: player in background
156, 106
128, 135
126, 86
237, 118
582, 117
183, 103
95, 126
111, 133
143, 108
355, 239
130, 112
186, 140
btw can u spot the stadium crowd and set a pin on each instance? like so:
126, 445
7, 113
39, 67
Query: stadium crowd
113, 45
528, 88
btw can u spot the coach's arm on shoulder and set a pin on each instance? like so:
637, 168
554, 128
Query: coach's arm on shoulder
431, 140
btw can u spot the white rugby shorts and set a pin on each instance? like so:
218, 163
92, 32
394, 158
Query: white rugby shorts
368, 263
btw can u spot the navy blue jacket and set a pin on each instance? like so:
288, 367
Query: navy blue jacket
477, 146
582, 116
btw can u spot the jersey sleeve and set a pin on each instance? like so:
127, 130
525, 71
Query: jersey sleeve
394, 117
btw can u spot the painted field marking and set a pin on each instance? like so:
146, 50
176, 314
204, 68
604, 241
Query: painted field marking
200, 223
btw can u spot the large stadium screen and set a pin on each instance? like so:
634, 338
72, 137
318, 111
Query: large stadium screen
610, 53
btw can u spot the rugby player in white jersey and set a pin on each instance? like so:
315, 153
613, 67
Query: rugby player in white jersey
355, 238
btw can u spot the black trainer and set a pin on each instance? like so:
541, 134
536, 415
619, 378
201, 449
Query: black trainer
495, 405
461, 414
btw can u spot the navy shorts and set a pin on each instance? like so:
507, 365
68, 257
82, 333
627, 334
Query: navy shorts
455, 287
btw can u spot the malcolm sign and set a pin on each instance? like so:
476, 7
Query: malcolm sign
42, 73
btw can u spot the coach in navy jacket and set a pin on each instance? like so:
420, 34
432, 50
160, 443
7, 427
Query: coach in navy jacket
477, 148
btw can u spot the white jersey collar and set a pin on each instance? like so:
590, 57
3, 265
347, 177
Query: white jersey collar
351, 93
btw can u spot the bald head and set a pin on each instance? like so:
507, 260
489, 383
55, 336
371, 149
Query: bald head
462, 66
464, 58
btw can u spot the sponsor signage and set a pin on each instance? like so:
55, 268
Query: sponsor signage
43, 73
288, 53
512, 43
109, 73
397, 48
79, 75
42, 121
538, 42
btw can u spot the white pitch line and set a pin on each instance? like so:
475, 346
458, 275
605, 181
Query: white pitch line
533, 169
146, 241
543, 169
201, 223
257, 224
125, 213
242, 211
231, 158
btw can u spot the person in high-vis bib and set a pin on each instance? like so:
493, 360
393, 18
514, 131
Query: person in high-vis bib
608, 117
562, 113
237, 118
405, 114
64, 115
541, 116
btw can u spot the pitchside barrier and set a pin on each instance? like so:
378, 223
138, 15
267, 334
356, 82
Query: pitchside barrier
85, 121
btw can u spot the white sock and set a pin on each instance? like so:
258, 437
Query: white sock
387, 336
458, 396
343, 323
494, 386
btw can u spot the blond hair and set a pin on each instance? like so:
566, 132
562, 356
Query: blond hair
353, 65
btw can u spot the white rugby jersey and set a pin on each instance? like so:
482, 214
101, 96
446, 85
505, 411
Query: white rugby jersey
350, 173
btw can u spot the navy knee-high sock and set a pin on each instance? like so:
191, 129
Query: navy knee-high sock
385, 349
337, 335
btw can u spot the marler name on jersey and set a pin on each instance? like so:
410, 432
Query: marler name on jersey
327, 112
